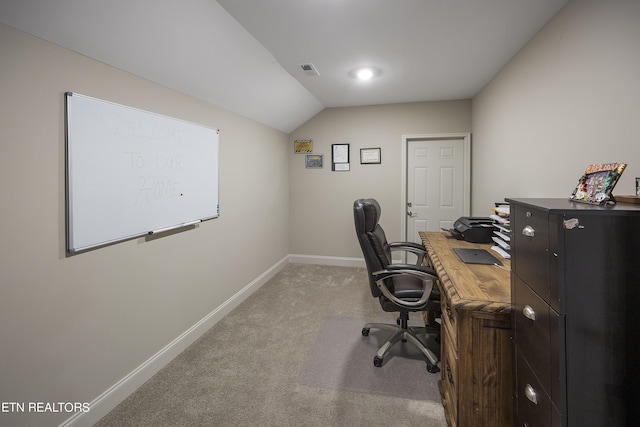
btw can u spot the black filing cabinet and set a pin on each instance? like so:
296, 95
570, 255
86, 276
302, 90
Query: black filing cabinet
575, 294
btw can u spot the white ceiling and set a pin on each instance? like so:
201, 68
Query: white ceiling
244, 55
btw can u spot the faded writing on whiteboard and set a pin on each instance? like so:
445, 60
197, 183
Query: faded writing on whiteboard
118, 126
152, 189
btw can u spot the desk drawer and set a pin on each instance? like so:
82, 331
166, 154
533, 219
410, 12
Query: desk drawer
532, 331
534, 408
530, 248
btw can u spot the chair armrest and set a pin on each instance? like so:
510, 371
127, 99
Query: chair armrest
408, 245
422, 268
426, 278
412, 247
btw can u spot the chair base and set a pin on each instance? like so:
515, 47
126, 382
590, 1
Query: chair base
404, 333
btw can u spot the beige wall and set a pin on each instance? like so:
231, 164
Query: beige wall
321, 212
71, 327
567, 99
571, 97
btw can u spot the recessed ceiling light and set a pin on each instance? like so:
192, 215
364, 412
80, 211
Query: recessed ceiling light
365, 73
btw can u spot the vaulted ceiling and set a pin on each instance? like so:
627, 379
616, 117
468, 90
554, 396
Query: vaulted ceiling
246, 55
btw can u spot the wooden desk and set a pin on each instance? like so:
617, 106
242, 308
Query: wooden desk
476, 359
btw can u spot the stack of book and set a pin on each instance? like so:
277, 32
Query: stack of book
502, 230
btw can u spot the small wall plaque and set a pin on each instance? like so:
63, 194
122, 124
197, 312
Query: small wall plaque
313, 161
369, 156
303, 146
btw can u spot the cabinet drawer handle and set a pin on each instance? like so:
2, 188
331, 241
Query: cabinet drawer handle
529, 231
529, 312
531, 394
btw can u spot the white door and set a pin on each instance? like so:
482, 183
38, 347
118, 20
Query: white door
437, 184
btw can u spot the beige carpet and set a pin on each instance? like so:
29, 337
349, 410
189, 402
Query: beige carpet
342, 359
244, 371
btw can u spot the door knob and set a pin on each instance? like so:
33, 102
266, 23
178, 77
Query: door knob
411, 214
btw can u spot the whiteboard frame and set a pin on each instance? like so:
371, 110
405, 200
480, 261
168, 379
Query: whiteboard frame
72, 248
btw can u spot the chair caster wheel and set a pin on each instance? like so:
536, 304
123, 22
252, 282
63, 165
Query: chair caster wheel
438, 339
377, 361
432, 368
365, 332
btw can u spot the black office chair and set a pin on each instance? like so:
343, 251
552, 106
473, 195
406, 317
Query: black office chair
400, 288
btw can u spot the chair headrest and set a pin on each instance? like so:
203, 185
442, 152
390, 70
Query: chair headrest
371, 211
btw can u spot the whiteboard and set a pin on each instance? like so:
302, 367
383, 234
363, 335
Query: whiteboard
131, 172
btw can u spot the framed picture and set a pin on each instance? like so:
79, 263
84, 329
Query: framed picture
370, 156
597, 183
313, 161
340, 157
303, 146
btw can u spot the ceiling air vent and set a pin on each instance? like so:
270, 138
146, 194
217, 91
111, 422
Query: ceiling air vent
309, 69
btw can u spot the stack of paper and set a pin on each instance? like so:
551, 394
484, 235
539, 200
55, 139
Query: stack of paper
502, 232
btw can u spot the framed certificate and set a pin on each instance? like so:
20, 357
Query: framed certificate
340, 157
369, 156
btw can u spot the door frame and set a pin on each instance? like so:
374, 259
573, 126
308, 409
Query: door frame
466, 183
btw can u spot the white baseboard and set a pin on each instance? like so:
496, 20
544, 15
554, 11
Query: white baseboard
108, 400
112, 397
327, 260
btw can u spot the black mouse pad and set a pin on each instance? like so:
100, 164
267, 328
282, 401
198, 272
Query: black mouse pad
476, 256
